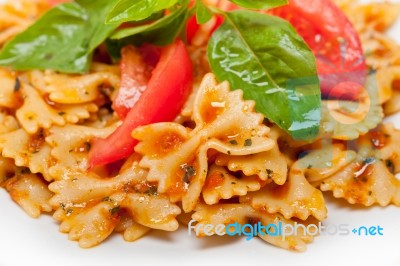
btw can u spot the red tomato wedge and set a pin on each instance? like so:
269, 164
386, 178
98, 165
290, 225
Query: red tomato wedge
166, 93
135, 74
329, 33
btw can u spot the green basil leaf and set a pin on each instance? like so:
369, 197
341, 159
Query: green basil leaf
260, 4
128, 10
203, 14
265, 57
63, 39
161, 32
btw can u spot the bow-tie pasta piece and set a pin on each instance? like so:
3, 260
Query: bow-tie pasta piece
130, 229
74, 113
386, 80
29, 151
70, 147
321, 163
85, 200
30, 192
221, 184
35, 113
7, 169
269, 165
296, 198
346, 120
9, 89
177, 157
8, 123
242, 214
81, 189
68, 89
370, 179
15, 17
93, 225
371, 16
152, 210
382, 51
367, 183
387, 141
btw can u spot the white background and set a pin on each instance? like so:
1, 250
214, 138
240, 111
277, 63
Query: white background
24, 241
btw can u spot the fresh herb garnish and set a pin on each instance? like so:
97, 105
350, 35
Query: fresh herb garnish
258, 53
128, 10
189, 172
63, 39
203, 14
160, 32
281, 76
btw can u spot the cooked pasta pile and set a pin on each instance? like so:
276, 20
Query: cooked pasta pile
219, 162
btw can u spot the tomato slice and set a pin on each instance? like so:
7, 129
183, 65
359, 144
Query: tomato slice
166, 93
335, 43
135, 74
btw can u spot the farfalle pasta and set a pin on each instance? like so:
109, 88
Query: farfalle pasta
219, 162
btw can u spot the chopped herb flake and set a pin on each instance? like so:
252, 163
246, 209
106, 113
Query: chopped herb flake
115, 210
17, 85
87, 146
270, 173
189, 172
390, 166
152, 191
369, 160
233, 142
107, 199
248, 142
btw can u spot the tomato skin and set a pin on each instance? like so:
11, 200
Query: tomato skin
334, 41
135, 75
166, 93
191, 28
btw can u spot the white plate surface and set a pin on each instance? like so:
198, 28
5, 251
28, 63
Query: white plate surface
26, 241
